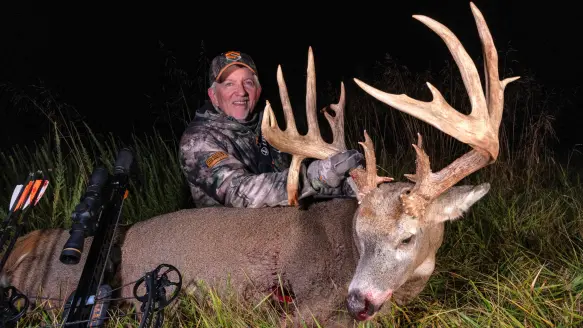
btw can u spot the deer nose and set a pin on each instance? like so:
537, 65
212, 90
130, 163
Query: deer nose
355, 302
358, 306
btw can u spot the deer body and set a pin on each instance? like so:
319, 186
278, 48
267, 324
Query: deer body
248, 251
314, 253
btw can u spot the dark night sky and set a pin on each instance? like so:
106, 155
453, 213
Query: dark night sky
105, 62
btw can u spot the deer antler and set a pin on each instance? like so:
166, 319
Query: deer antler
479, 129
367, 180
310, 145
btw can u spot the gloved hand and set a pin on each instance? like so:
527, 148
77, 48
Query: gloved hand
327, 175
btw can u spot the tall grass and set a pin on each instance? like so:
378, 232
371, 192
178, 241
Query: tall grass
70, 153
513, 261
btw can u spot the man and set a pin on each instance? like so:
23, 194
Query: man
227, 162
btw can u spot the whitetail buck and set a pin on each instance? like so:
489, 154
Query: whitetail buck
355, 253
340, 254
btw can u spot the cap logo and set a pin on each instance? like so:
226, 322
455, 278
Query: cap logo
233, 55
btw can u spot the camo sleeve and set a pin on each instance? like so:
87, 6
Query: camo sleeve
208, 165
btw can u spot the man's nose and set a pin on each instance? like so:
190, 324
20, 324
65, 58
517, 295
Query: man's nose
241, 91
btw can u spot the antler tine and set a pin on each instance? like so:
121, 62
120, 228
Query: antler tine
494, 87
337, 122
479, 129
313, 128
286, 104
367, 180
423, 166
416, 202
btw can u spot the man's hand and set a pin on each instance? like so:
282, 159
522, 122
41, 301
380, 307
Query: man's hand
330, 173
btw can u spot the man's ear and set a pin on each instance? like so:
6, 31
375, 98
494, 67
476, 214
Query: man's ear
212, 96
452, 204
258, 92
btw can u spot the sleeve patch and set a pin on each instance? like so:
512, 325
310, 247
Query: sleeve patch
215, 158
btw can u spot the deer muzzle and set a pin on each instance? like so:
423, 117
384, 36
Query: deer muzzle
363, 306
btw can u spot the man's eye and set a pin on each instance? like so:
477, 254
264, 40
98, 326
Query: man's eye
250, 83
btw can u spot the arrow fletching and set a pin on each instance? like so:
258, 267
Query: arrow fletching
42, 191
15, 195
33, 192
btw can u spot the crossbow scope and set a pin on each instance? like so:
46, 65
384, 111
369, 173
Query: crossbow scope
87, 213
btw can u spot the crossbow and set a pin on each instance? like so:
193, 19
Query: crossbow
98, 215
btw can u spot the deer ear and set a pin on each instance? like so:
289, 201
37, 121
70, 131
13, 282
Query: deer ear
452, 204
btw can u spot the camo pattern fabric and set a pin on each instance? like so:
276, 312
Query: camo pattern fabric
221, 160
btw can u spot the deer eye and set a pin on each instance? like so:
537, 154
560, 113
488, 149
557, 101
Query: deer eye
406, 241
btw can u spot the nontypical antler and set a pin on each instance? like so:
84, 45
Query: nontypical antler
310, 145
479, 129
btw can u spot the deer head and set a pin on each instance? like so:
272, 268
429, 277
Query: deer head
398, 227
398, 232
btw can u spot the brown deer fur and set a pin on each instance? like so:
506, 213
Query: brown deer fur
34, 268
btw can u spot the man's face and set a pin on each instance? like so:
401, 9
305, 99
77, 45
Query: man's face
237, 93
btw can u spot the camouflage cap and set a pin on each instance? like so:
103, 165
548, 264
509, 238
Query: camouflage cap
221, 62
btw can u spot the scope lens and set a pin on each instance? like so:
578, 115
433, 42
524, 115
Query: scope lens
71, 253
70, 256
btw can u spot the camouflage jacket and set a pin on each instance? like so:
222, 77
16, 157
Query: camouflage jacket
223, 163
